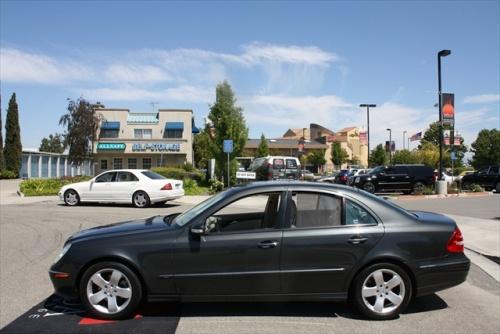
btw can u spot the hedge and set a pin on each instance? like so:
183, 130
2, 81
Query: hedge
180, 174
46, 187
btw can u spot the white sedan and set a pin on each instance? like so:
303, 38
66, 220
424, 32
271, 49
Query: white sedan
141, 187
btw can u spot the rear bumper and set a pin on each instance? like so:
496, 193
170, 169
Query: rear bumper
439, 275
166, 195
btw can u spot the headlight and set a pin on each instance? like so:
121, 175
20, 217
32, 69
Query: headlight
63, 251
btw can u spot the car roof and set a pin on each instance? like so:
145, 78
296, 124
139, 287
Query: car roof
125, 170
295, 184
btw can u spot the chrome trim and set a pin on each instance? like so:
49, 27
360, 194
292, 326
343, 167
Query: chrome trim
264, 272
441, 264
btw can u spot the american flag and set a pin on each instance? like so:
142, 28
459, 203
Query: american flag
416, 136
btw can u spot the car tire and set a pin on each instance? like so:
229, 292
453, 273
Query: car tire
140, 199
466, 185
369, 187
110, 290
71, 197
497, 188
376, 297
418, 188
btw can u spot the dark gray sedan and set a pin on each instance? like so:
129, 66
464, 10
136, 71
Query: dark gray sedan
267, 241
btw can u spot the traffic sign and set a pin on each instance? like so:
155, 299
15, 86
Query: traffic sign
227, 146
453, 156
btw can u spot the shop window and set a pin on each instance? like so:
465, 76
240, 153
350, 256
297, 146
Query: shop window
143, 133
174, 133
104, 164
146, 163
159, 162
109, 133
117, 163
132, 163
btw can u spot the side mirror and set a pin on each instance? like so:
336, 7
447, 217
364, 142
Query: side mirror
198, 229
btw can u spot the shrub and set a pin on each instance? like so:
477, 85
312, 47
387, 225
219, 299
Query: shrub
428, 191
191, 188
180, 173
216, 186
46, 187
476, 188
7, 174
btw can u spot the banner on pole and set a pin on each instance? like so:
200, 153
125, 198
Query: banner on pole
448, 109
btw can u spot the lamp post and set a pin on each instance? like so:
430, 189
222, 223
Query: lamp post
442, 53
404, 136
390, 146
368, 106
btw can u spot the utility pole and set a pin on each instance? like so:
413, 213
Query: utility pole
390, 146
368, 106
404, 136
442, 53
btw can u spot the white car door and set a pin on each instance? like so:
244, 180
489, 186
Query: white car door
124, 186
101, 188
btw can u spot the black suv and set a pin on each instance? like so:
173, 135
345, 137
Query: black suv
487, 177
404, 178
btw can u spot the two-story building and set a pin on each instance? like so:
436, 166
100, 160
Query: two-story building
143, 140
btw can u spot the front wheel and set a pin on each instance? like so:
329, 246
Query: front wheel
140, 199
368, 186
110, 290
382, 291
71, 198
418, 188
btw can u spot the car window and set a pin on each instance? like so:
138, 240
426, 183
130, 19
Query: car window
278, 164
390, 170
401, 170
310, 210
483, 170
494, 170
259, 211
106, 177
291, 163
153, 175
356, 215
126, 177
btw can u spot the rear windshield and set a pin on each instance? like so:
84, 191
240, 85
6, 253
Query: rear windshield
278, 163
291, 163
153, 175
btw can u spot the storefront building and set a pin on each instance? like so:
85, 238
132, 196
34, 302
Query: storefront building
36, 164
144, 140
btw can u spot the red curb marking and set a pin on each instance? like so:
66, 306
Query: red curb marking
92, 321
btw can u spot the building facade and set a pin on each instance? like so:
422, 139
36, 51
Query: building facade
143, 140
36, 164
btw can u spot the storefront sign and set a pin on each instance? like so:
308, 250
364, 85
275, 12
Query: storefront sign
111, 146
155, 147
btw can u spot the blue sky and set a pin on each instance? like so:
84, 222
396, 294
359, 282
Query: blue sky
290, 63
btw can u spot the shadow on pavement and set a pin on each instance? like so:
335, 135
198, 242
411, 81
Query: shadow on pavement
56, 316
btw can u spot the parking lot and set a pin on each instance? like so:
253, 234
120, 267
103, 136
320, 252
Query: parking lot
32, 235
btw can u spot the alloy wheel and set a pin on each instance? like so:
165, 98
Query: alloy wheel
140, 199
109, 291
71, 197
383, 291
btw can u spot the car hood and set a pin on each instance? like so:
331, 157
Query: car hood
76, 185
124, 228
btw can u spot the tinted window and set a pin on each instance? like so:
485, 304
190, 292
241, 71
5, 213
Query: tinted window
126, 177
291, 163
483, 170
494, 170
356, 215
401, 170
390, 170
106, 177
254, 212
153, 175
314, 210
278, 164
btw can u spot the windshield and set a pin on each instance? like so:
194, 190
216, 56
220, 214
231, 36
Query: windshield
153, 175
186, 216
377, 170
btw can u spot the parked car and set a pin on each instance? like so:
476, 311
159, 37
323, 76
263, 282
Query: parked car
354, 173
266, 241
307, 175
328, 178
449, 178
275, 168
342, 177
461, 175
140, 187
404, 178
487, 177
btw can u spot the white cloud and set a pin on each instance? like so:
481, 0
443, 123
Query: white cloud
136, 74
309, 55
20, 66
484, 98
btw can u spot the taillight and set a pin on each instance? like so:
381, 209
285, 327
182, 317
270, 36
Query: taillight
456, 242
168, 186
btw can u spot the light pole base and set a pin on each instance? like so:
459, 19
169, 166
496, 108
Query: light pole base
441, 187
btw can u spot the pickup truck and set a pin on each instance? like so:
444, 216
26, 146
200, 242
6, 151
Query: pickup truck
487, 177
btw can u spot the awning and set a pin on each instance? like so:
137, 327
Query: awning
110, 125
174, 126
195, 129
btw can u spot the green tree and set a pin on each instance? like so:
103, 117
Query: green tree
228, 123
263, 149
428, 154
54, 143
431, 135
486, 148
317, 158
338, 154
404, 157
81, 123
2, 160
202, 153
378, 156
13, 149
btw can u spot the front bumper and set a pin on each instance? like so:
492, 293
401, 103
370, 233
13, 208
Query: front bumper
64, 280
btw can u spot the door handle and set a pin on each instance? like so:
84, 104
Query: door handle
268, 244
356, 240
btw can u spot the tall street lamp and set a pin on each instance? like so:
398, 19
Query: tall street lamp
368, 106
390, 146
442, 53
404, 136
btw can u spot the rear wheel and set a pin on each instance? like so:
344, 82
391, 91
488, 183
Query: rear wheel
382, 291
368, 186
140, 199
466, 186
71, 198
110, 290
418, 188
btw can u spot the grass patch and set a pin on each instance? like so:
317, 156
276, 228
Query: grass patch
191, 188
47, 187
